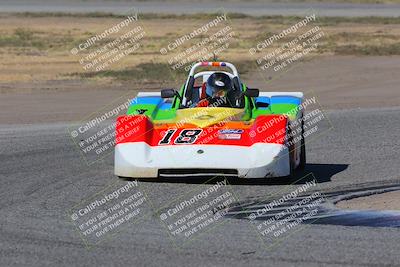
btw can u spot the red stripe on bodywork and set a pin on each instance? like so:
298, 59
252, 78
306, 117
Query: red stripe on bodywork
264, 129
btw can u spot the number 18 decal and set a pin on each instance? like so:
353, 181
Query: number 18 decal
187, 136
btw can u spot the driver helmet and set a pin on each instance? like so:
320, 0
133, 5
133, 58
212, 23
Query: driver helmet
218, 85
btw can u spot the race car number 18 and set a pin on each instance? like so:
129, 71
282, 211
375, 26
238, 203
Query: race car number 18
187, 136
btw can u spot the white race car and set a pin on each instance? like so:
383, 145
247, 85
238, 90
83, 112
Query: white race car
214, 125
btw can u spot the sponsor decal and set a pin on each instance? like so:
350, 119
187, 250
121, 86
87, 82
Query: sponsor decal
231, 131
230, 134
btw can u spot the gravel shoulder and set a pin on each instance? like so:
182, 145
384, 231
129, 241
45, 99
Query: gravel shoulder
385, 201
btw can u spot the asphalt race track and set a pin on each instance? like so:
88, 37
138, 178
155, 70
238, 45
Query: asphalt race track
43, 176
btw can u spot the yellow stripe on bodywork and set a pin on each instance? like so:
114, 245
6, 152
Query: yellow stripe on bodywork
206, 116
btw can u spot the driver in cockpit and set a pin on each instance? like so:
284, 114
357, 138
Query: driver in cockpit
218, 86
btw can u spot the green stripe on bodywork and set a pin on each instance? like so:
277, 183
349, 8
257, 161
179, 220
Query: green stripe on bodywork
277, 109
154, 113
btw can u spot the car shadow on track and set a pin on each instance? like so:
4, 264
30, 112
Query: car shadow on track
322, 173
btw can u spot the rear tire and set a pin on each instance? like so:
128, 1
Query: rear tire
303, 159
291, 154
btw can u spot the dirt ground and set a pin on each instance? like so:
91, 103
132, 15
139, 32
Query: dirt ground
37, 48
36, 85
337, 81
385, 201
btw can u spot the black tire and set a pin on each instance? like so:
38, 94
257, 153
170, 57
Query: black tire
303, 159
291, 155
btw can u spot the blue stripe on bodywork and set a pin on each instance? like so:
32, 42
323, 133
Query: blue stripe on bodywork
278, 100
153, 100
165, 105
263, 99
285, 100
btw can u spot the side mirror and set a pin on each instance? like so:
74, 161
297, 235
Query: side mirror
252, 92
262, 105
168, 93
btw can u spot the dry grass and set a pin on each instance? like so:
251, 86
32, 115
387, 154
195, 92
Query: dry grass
35, 47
